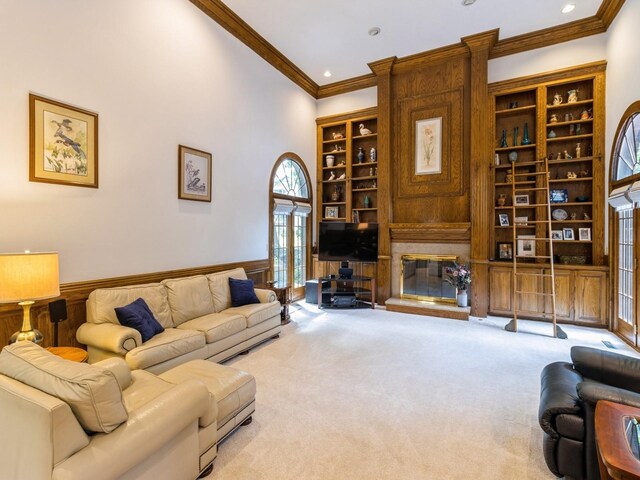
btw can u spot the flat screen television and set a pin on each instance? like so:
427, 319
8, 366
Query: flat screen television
348, 242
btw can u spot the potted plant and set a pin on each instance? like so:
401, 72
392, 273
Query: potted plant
460, 277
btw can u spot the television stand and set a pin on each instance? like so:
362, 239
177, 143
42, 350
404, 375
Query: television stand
349, 292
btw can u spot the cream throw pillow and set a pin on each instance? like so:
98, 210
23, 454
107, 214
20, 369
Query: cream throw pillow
92, 392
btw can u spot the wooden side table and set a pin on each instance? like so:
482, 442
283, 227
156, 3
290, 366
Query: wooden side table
283, 294
615, 458
70, 353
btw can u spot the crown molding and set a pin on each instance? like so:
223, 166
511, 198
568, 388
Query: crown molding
231, 22
223, 15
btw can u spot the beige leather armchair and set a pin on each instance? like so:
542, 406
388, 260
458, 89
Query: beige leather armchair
43, 438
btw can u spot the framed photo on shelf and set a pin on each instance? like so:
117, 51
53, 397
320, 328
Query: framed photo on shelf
355, 216
521, 220
567, 234
63, 143
505, 251
331, 212
559, 196
584, 234
504, 219
556, 235
521, 199
526, 246
194, 174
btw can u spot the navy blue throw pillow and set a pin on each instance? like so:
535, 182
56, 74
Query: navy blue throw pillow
138, 315
242, 292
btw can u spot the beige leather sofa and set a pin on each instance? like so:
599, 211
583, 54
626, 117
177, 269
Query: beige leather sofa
64, 420
71, 421
197, 315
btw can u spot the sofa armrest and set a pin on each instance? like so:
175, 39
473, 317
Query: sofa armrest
593, 392
265, 296
110, 337
609, 368
558, 395
148, 428
119, 368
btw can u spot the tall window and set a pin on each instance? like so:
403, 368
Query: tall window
290, 223
624, 197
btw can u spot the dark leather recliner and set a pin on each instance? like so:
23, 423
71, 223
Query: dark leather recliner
568, 396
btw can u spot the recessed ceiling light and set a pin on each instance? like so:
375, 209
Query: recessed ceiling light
327, 73
373, 31
568, 8
466, 3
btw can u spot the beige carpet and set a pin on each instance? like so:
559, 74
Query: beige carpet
362, 394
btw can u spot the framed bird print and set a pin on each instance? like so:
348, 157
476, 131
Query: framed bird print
194, 174
63, 143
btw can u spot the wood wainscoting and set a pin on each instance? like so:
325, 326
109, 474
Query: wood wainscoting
76, 295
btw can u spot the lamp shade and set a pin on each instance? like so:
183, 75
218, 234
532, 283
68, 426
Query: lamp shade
28, 276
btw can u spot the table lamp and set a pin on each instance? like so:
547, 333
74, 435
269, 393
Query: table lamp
25, 278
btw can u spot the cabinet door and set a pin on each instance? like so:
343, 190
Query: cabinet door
591, 297
530, 303
500, 290
564, 295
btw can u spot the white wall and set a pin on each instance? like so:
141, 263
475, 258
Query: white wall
348, 102
158, 74
563, 55
623, 69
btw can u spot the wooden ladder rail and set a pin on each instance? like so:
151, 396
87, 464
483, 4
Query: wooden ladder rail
512, 326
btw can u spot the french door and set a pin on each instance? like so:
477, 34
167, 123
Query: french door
626, 237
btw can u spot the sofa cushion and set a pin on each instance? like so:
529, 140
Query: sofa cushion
92, 393
165, 346
242, 292
145, 387
216, 326
189, 298
257, 312
137, 315
102, 301
219, 286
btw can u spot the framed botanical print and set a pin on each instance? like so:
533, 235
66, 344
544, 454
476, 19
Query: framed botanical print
63, 143
194, 174
428, 146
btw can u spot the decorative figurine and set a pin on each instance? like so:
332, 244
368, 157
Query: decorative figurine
337, 135
551, 134
335, 195
586, 216
572, 175
332, 176
583, 174
513, 105
372, 154
559, 156
360, 155
341, 163
557, 99
502, 200
371, 172
497, 161
374, 184
567, 156
586, 114
509, 177
503, 141
574, 216
578, 150
572, 96
568, 117
364, 130
342, 177
525, 135
553, 118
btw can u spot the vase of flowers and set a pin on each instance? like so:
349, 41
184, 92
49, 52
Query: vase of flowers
460, 277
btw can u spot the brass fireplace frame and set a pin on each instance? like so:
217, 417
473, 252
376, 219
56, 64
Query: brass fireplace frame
425, 298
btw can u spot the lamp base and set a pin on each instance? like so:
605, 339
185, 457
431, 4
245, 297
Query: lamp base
34, 336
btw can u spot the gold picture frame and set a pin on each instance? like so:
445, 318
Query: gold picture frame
194, 174
331, 212
63, 143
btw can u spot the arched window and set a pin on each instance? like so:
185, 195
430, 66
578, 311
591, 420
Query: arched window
290, 201
624, 197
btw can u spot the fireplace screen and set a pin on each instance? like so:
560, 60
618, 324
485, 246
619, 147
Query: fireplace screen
423, 277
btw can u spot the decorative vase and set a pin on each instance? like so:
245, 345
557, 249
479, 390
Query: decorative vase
515, 135
503, 141
525, 135
360, 155
372, 154
330, 160
462, 298
335, 196
502, 200
367, 202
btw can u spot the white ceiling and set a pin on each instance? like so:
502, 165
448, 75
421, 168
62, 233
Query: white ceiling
319, 35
